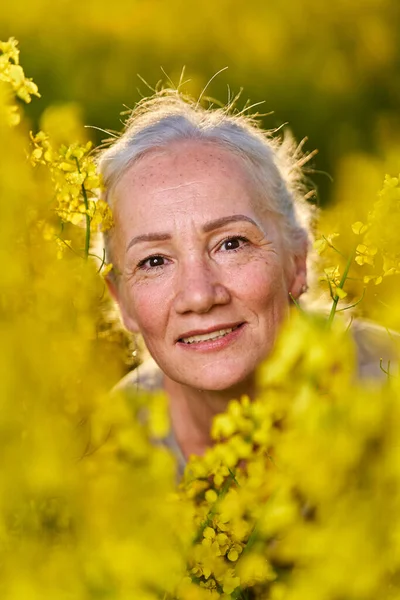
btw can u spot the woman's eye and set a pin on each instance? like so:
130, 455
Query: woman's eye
233, 243
151, 262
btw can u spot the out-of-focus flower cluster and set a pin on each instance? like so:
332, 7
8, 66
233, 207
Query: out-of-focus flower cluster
376, 248
293, 500
76, 184
298, 498
380, 245
13, 74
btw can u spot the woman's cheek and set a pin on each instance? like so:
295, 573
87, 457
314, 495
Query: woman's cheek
257, 277
149, 301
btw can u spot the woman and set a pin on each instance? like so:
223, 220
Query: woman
209, 250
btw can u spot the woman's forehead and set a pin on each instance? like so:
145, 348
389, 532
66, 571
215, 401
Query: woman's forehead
201, 182
180, 161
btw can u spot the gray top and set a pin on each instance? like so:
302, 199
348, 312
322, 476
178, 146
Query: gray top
149, 377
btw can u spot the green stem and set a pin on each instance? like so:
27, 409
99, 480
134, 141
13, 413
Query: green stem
297, 305
340, 286
332, 246
354, 303
87, 217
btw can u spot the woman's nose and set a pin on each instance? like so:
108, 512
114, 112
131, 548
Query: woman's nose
199, 288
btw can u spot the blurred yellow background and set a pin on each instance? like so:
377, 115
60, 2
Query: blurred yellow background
330, 70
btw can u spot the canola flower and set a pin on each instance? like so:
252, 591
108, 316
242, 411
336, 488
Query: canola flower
380, 241
298, 498
76, 184
376, 248
13, 75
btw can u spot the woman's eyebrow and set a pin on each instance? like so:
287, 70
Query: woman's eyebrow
218, 223
148, 237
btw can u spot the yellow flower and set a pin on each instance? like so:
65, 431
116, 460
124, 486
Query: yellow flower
209, 533
230, 582
211, 496
359, 228
332, 276
365, 254
322, 243
13, 74
377, 279
223, 426
255, 568
233, 555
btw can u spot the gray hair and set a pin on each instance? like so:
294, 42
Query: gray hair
274, 165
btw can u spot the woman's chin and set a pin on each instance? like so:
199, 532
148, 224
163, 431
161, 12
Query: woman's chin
232, 385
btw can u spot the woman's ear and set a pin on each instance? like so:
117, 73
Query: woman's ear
298, 284
118, 296
112, 288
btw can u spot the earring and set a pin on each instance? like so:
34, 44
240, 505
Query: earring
135, 348
137, 363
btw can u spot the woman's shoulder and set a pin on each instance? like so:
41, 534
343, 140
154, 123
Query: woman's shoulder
376, 349
147, 376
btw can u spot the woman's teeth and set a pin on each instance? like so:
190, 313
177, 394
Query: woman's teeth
205, 337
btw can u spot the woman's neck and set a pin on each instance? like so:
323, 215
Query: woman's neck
192, 412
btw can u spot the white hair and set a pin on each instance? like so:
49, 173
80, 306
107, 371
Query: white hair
274, 165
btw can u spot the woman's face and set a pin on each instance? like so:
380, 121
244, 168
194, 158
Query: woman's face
202, 270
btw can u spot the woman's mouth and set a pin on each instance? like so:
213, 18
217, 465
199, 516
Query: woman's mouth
208, 336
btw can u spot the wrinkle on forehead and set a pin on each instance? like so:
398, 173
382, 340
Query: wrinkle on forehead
177, 187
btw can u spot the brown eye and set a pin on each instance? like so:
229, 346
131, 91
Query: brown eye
152, 262
233, 243
155, 261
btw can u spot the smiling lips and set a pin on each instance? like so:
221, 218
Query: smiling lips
208, 336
